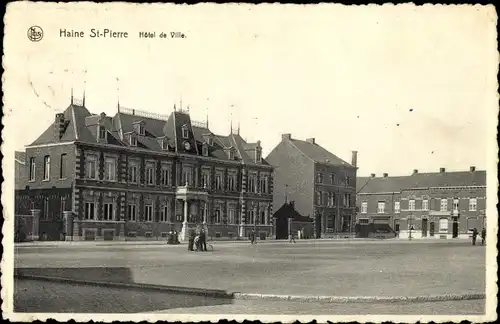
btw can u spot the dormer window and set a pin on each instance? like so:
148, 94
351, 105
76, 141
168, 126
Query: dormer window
132, 139
102, 132
258, 155
204, 149
185, 133
210, 141
231, 154
139, 128
164, 144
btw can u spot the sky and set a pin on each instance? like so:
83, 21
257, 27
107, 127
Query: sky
407, 87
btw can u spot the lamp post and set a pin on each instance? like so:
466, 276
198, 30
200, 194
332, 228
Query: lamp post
410, 225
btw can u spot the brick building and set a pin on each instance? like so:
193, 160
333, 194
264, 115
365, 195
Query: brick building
437, 204
140, 175
322, 185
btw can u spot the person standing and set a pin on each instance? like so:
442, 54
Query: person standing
474, 236
252, 237
483, 236
292, 237
203, 240
192, 235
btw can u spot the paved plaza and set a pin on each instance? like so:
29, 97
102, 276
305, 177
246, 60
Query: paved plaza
343, 268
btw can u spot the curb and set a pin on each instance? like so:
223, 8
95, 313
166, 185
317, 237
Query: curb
270, 297
159, 288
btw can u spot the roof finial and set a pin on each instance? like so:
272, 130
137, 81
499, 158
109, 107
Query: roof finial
238, 128
175, 108
71, 94
231, 124
118, 93
84, 87
188, 109
207, 117
181, 103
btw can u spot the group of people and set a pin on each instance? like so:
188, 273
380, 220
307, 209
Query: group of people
475, 233
197, 240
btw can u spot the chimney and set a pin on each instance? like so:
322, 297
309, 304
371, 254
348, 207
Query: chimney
472, 168
442, 170
292, 203
415, 171
372, 175
386, 175
354, 158
59, 125
286, 137
311, 140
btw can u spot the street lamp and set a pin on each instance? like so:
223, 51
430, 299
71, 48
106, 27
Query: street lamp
409, 219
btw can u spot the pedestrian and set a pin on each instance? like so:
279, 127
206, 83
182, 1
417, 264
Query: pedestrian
292, 237
203, 240
483, 236
192, 235
252, 237
474, 236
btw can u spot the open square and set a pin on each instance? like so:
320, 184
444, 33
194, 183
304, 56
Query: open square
326, 268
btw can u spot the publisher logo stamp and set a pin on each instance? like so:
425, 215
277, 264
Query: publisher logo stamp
35, 33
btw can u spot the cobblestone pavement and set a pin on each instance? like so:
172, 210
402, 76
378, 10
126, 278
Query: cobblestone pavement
48, 297
306, 268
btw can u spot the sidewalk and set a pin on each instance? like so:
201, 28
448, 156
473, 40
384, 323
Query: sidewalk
233, 242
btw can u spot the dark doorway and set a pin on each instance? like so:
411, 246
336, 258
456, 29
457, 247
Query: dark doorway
424, 227
51, 230
455, 227
432, 228
281, 228
318, 226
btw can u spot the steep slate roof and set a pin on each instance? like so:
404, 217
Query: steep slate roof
81, 128
20, 156
421, 180
287, 210
318, 154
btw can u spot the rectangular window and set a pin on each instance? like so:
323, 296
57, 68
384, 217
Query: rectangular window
164, 214
148, 213
251, 216
332, 178
252, 185
231, 214
411, 204
89, 210
205, 179
110, 169
90, 167
108, 211
217, 215
472, 204
46, 168
63, 205
381, 207
397, 207
62, 167
133, 140
364, 207
444, 204
131, 212
347, 180
185, 133
347, 200
150, 174
455, 204
186, 177
319, 196
331, 199
102, 132
231, 182
165, 174
263, 184
132, 173
425, 204
32, 169
319, 177
218, 181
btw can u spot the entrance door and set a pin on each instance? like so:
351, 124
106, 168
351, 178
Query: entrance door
317, 224
455, 227
424, 227
281, 228
431, 228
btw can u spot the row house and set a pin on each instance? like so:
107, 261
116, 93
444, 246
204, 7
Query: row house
436, 204
322, 185
142, 175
